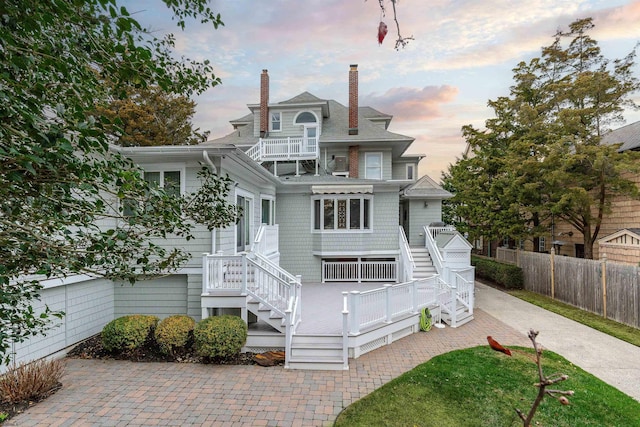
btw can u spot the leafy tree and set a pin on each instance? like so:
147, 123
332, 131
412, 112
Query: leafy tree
71, 203
151, 116
541, 155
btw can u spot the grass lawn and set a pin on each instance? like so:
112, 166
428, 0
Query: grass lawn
610, 327
481, 387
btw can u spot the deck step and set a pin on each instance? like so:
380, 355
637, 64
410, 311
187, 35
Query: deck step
321, 352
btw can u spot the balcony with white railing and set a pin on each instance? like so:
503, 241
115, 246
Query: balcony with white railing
284, 149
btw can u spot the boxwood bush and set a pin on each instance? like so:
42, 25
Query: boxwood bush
174, 333
220, 337
507, 275
128, 333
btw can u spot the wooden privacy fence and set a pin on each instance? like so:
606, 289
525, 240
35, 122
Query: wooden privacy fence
607, 288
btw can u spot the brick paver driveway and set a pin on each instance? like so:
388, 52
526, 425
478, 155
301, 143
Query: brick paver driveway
117, 393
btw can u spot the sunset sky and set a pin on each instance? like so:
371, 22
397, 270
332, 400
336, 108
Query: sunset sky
462, 56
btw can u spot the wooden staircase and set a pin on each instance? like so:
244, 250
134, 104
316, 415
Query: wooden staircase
424, 265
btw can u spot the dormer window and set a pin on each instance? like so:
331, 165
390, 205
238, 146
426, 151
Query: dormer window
305, 117
275, 122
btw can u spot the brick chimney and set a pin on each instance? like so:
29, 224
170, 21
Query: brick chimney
354, 152
353, 99
264, 103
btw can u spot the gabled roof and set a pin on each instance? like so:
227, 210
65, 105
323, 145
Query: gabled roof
426, 188
628, 135
626, 236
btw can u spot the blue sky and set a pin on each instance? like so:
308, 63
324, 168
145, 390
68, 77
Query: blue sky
462, 56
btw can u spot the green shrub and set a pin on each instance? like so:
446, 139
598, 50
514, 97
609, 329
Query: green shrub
30, 381
220, 336
174, 333
128, 332
507, 275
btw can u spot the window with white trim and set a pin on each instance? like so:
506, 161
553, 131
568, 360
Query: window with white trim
373, 165
268, 211
305, 117
342, 213
411, 171
542, 244
275, 122
171, 180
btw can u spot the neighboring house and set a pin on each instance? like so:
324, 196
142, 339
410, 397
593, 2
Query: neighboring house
618, 232
329, 195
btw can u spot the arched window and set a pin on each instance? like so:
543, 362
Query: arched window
305, 117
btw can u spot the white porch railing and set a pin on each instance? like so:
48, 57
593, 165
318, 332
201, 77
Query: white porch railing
255, 275
289, 148
359, 271
407, 264
381, 306
266, 242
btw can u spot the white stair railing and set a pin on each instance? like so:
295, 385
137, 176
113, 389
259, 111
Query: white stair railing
465, 286
266, 242
256, 276
407, 264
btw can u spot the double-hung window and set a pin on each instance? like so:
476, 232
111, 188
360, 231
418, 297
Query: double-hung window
373, 165
275, 122
342, 213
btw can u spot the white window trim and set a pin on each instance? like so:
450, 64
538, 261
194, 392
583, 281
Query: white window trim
542, 244
295, 118
347, 197
271, 121
168, 167
251, 226
411, 166
366, 167
272, 207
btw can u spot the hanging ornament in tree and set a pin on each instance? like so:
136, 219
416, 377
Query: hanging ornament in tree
382, 31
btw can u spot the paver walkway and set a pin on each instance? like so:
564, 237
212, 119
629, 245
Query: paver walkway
116, 393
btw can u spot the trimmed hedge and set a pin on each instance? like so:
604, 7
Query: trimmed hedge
174, 333
220, 337
507, 275
128, 332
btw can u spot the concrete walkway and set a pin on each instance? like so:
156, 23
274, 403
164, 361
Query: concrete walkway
116, 393
614, 361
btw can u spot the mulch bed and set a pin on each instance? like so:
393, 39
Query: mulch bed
92, 349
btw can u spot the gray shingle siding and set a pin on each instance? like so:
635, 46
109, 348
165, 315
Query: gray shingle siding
420, 216
161, 297
298, 242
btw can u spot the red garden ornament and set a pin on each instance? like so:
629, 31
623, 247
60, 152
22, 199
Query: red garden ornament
382, 31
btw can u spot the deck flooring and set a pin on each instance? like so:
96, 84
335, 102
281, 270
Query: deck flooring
322, 305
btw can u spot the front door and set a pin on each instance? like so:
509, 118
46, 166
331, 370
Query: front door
243, 227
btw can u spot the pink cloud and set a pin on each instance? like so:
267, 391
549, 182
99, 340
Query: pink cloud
408, 104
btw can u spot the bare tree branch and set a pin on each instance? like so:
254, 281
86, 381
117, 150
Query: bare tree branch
401, 42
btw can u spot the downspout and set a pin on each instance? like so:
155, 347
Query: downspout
213, 168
